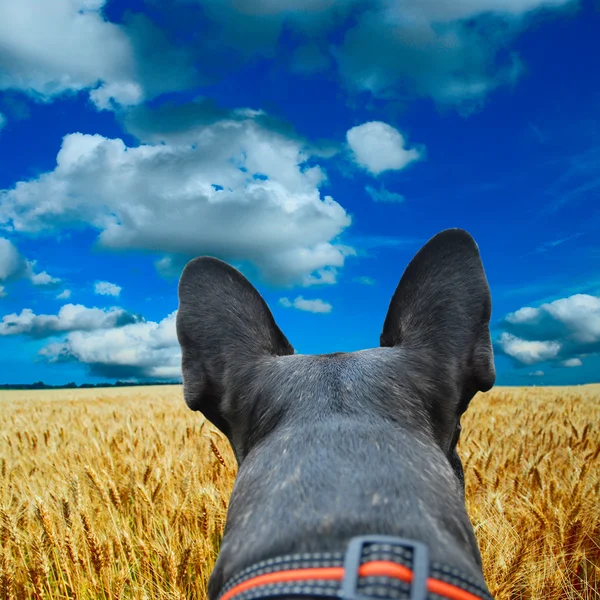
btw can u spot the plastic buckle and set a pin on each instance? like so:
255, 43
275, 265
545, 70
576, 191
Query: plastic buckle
353, 558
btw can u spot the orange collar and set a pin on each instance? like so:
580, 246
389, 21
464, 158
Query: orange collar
283, 577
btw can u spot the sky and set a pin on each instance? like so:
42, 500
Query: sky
316, 145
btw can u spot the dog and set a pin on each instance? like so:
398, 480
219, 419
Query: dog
349, 484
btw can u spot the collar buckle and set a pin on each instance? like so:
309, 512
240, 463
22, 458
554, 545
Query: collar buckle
353, 561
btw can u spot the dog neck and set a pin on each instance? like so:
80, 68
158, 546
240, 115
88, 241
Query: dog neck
320, 465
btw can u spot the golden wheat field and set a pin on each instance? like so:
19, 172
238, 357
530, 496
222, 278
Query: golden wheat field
122, 493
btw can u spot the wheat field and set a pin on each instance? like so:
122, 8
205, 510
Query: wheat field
122, 493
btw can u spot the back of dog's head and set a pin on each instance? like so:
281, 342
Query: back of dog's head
437, 330
337, 445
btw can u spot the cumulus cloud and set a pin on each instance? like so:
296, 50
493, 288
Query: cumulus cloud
378, 147
383, 195
365, 280
137, 350
444, 50
315, 306
105, 288
160, 64
560, 331
14, 266
49, 48
233, 188
576, 317
53, 48
2, 292
109, 95
453, 52
42, 278
528, 352
64, 295
70, 317
2, 121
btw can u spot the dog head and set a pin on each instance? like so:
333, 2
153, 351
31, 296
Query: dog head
436, 328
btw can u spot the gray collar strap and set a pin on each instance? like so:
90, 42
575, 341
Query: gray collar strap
374, 567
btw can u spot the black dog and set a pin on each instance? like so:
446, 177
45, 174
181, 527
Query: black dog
336, 446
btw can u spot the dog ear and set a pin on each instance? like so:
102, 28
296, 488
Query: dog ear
439, 315
223, 326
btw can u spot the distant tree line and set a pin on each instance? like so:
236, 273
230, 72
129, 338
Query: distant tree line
40, 385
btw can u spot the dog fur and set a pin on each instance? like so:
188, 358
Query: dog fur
337, 445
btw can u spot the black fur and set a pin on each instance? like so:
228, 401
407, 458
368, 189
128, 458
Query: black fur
342, 444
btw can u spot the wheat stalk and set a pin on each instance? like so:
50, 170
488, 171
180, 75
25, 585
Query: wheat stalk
155, 511
97, 554
48, 533
217, 452
7, 578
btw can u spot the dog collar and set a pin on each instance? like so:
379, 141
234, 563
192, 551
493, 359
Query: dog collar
373, 567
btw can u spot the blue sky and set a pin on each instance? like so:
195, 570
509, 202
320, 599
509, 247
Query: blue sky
316, 145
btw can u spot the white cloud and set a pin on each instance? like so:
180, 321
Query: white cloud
537, 374
14, 266
580, 315
523, 315
449, 51
379, 147
561, 330
64, 295
125, 94
169, 266
2, 121
2, 292
235, 189
576, 318
105, 288
70, 317
526, 351
453, 52
327, 275
42, 278
365, 280
436, 48
383, 195
137, 350
49, 48
315, 306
